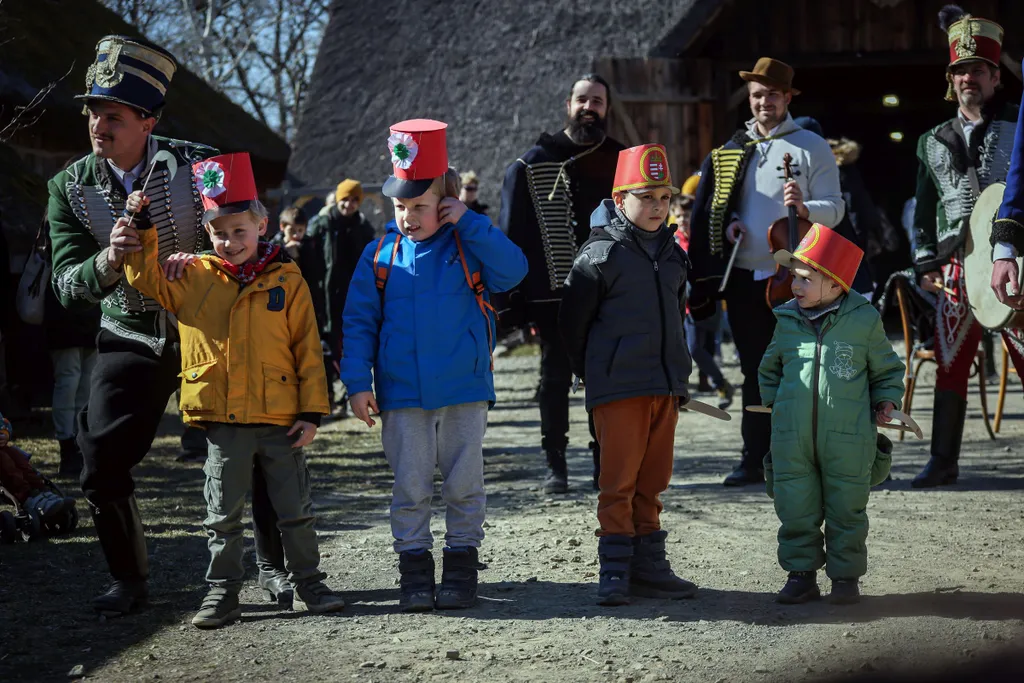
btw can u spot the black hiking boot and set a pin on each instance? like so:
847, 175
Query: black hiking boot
123, 541
651, 574
276, 587
417, 581
595, 449
948, 417
220, 607
844, 592
800, 588
458, 578
615, 553
70, 459
745, 474
557, 480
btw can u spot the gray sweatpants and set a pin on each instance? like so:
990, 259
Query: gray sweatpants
229, 478
416, 442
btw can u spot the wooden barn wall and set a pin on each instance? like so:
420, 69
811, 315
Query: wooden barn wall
671, 101
805, 31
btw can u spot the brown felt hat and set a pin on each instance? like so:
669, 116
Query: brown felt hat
773, 73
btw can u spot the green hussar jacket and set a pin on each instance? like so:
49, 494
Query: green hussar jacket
945, 196
85, 200
823, 384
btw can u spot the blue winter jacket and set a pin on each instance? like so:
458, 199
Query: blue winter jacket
429, 347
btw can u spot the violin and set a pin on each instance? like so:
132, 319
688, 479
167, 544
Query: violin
784, 233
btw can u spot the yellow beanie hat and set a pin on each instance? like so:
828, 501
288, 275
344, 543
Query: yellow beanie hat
690, 186
349, 188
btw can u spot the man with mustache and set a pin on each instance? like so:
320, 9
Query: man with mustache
957, 160
741, 192
546, 201
138, 363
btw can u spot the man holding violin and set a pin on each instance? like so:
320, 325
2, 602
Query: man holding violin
957, 160
742, 193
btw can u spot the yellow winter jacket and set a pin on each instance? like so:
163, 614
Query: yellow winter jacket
249, 355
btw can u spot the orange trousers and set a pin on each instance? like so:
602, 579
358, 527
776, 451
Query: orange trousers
637, 437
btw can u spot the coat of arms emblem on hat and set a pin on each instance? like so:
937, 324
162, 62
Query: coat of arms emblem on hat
105, 74
653, 165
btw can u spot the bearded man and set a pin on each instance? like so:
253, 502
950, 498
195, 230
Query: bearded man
546, 201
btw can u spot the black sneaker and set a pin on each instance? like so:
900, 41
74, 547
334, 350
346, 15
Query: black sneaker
220, 607
844, 592
800, 588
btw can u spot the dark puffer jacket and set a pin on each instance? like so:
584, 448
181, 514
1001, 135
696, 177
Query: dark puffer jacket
622, 313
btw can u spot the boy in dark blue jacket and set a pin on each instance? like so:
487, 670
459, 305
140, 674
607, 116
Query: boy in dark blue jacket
622, 322
418, 316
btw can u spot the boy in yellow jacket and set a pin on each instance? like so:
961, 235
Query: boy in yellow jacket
252, 375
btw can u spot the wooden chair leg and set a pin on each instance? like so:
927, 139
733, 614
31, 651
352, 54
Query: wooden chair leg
980, 363
1002, 388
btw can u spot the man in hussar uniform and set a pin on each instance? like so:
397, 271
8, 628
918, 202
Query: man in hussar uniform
139, 362
957, 160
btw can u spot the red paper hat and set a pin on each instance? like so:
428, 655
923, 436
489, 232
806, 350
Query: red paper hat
826, 251
225, 184
419, 153
642, 167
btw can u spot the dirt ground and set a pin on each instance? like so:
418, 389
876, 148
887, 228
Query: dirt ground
945, 582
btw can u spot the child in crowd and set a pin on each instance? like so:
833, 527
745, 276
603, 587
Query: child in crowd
622, 321
829, 374
23, 482
253, 377
418, 317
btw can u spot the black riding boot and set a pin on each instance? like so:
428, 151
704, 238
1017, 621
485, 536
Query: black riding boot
273, 577
557, 480
948, 417
123, 541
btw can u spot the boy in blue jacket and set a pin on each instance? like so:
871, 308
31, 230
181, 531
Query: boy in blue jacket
418, 315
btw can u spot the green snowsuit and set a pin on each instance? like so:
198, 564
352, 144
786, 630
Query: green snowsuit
822, 383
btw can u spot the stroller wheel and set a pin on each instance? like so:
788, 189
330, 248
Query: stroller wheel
8, 527
30, 525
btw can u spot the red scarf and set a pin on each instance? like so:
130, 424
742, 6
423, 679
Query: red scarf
247, 272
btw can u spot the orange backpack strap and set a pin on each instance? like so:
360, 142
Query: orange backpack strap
476, 284
381, 273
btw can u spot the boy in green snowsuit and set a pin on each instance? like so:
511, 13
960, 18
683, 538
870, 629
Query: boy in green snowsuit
829, 374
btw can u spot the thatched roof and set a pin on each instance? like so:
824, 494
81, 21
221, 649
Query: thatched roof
41, 40
497, 72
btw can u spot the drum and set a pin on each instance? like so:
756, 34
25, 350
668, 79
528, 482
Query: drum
987, 309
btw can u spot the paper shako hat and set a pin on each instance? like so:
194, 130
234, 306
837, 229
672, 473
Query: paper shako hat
826, 251
642, 168
130, 71
225, 184
419, 153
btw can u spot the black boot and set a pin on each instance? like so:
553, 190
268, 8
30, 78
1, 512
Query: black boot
948, 417
595, 449
615, 553
70, 459
744, 474
801, 587
458, 578
557, 480
119, 528
273, 578
417, 581
651, 575
845, 592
